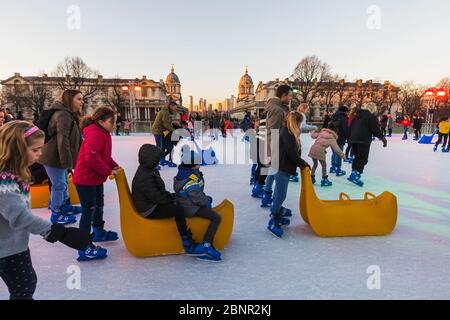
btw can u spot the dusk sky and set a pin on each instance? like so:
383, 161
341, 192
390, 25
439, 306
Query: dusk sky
210, 42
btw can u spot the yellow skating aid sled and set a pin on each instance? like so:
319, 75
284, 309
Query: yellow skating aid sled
373, 216
148, 238
40, 195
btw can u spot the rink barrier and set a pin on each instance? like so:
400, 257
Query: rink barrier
151, 237
372, 216
40, 194
428, 139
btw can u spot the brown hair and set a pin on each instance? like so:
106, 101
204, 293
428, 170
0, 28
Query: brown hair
14, 148
68, 96
100, 114
293, 122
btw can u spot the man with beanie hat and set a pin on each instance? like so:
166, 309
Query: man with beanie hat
363, 127
340, 122
189, 188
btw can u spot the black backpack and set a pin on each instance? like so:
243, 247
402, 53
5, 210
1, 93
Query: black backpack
44, 121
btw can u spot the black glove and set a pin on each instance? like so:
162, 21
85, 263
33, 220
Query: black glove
71, 237
384, 142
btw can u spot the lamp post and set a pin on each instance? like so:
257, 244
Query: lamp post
435, 95
132, 88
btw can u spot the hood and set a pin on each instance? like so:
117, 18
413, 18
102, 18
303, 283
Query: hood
343, 109
149, 156
183, 173
58, 105
94, 128
362, 113
328, 134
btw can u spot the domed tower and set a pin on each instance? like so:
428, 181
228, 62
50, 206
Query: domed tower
246, 89
173, 87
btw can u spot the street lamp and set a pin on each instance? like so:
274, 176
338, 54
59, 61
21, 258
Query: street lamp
132, 88
435, 95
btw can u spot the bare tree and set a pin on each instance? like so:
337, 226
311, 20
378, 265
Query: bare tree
410, 97
76, 74
342, 89
329, 88
363, 92
444, 83
307, 74
115, 97
39, 96
18, 97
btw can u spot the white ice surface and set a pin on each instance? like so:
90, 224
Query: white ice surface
414, 260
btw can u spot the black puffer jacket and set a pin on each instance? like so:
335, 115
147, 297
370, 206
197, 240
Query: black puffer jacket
340, 121
364, 126
148, 189
289, 154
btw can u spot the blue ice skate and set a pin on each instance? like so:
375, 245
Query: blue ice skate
205, 251
267, 200
285, 212
60, 218
257, 191
92, 253
101, 235
340, 172
326, 183
275, 228
355, 177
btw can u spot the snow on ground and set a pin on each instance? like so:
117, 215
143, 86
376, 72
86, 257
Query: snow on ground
413, 260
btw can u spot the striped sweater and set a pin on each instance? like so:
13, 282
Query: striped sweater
16, 219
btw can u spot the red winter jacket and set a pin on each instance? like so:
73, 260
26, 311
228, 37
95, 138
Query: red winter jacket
406, 122
94, 163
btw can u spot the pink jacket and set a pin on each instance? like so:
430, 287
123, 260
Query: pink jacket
94, 163
324, 139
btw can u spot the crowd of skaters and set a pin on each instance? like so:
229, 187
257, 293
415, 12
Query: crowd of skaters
62, 142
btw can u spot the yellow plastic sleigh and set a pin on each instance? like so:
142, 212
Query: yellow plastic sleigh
373, 216
40, 195
148, 238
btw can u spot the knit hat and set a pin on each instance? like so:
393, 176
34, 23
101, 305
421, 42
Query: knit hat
343, 108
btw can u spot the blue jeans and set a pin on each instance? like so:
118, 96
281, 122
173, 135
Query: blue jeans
160, 144
336, 161
280, 192
60, 183
92, 203
268, 185
405, 132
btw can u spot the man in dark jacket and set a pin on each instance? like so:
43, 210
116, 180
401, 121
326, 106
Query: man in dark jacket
151, 198
363, 127
384, 123
417, 125
340, 121
326, 119
119, 122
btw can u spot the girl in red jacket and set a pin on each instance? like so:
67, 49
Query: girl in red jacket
94, 166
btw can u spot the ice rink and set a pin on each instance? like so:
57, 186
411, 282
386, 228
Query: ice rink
414, 260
